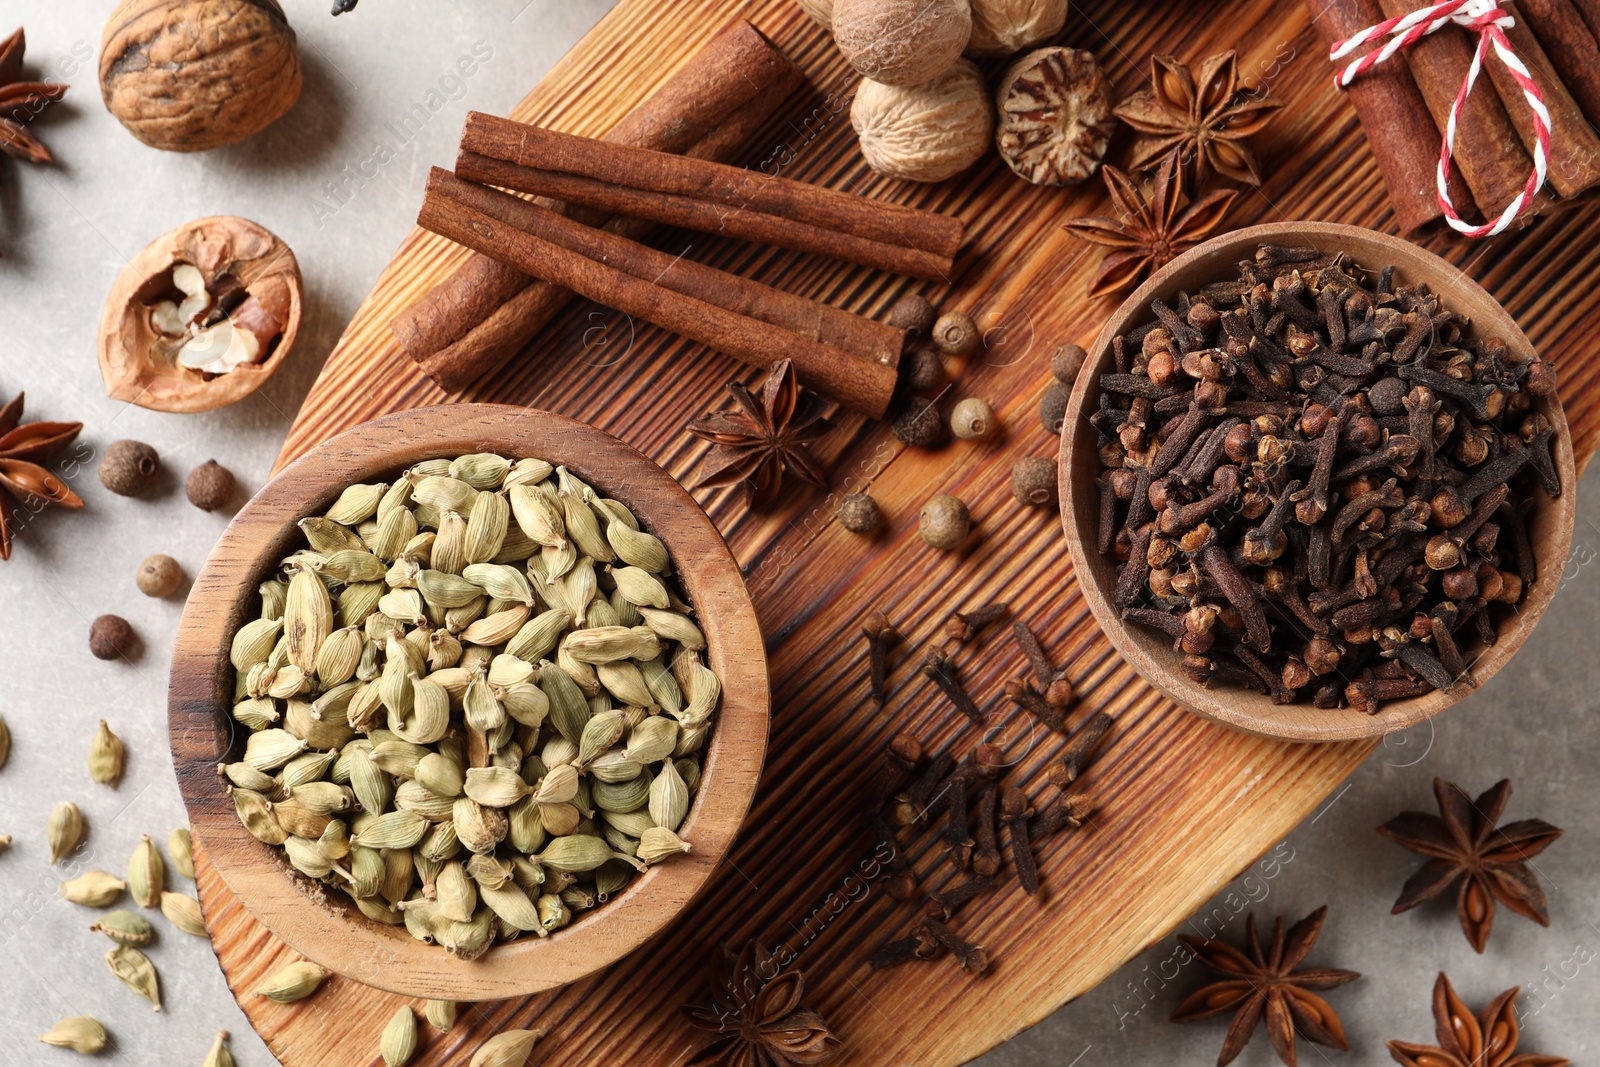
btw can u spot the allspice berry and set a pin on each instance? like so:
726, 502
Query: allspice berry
210, 486
1053, 406
912, 313
973, 419
956, 333
860, 514
1033, 481
1066, 361
945, 522
110, 637
920, 424
923, 370
159, 576
130, 468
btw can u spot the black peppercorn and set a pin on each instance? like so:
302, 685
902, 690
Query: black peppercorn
1065, 362
1033, 481
1053, 406
912, 313
921, 424
130, 468
111, 637
922, 371
860, 514
209, 486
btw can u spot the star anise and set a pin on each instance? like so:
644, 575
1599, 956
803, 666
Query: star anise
22, 480
20, 101
1147, 234
1465, 844
1206, 117
756, 1014
1266, 983
754, 446
1490, 1040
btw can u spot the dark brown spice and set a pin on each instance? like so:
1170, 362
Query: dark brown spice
1043, 669
880, 635
986, 849
972, 957
946, 902
1016, 814
942, 669
963, 626
1080, 750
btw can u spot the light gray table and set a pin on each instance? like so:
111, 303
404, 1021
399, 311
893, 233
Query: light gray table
65, 231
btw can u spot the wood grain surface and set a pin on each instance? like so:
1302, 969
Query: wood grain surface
1182, 804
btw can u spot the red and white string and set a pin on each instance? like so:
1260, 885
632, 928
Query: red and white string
1489, 21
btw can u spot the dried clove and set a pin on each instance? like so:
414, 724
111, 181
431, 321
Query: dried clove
972, 957
962, 626
942, 669
986, 848
1016, 813
880, 634
1043, 669
1080, 749
944, 903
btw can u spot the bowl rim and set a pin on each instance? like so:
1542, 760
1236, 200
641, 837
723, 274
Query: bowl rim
1295, 722
329, 930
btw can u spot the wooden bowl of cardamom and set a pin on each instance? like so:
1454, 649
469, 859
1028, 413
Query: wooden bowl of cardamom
468, 702
1316, 483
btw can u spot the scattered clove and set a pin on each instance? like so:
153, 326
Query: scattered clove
986, 847
880, 634
972, 957
1080, 750
942, 669
963, 626
1016, 813
946, 902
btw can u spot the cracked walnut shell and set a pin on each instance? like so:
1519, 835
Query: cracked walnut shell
190, 75
1054, 116
200, 318
926, 133
1006, 27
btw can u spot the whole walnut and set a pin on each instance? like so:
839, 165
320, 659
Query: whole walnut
902, 42
926, 133
189, 75
1006, 27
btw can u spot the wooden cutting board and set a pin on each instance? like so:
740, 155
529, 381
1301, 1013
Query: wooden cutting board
1181, 805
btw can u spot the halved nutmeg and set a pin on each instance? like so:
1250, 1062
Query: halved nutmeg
201, 317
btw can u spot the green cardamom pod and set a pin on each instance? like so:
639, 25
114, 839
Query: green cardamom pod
184, 912
134, 970
272, 596
487, 525
575, 853
669, 798
599, 733
444, 493
357, 504
147, 874
255, 812
553, 912
657, 843
293, 982
625, 682
638, 549
253, 643
399, 1041
339, 656
511, 904
64, 830
93, 889
257, 713
538, 516
653, 739
79, 1033
673, 626
441, 1014
640, 588
508, 1048
456, 893
125, 928
267, 750
181, 849
392, 830
105, 757
495, 787
219, 1056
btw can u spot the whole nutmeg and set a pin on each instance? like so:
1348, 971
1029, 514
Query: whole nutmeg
1006, 27
923, 370
130, 468
1053, 406
110, 637
860, 514
209, 486
912, 313
920, 424
189, 75
945, 522
902, 42
956, 333
973, 419
1033, 481
1055, 119
1066, 361
159, 576
926, 133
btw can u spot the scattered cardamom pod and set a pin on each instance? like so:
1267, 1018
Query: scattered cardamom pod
399, 1041
441, 1014
509, 1048
79, 1033
293, 982
182, 850
134, 969
94, 889
147, 874
184, 912
105, 757
64, 830
219, 1056
5, 742
125, 928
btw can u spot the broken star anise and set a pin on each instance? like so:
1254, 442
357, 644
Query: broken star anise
1463, 842
755, 445
20, 101
1206, 117
1258, 983
1147, 234
1489, 1040
22, 479
756, 1015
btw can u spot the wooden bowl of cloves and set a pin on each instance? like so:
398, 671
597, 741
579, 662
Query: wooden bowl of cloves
1316, 483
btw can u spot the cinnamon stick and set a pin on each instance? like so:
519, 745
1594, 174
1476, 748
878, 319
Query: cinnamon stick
612, 186
862, 336
857, 383
1574, 156
1569, 43
1400, 131
1589, 11
485, 312
1488, 151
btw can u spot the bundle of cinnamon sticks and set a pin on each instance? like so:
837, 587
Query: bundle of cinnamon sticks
1404, 104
